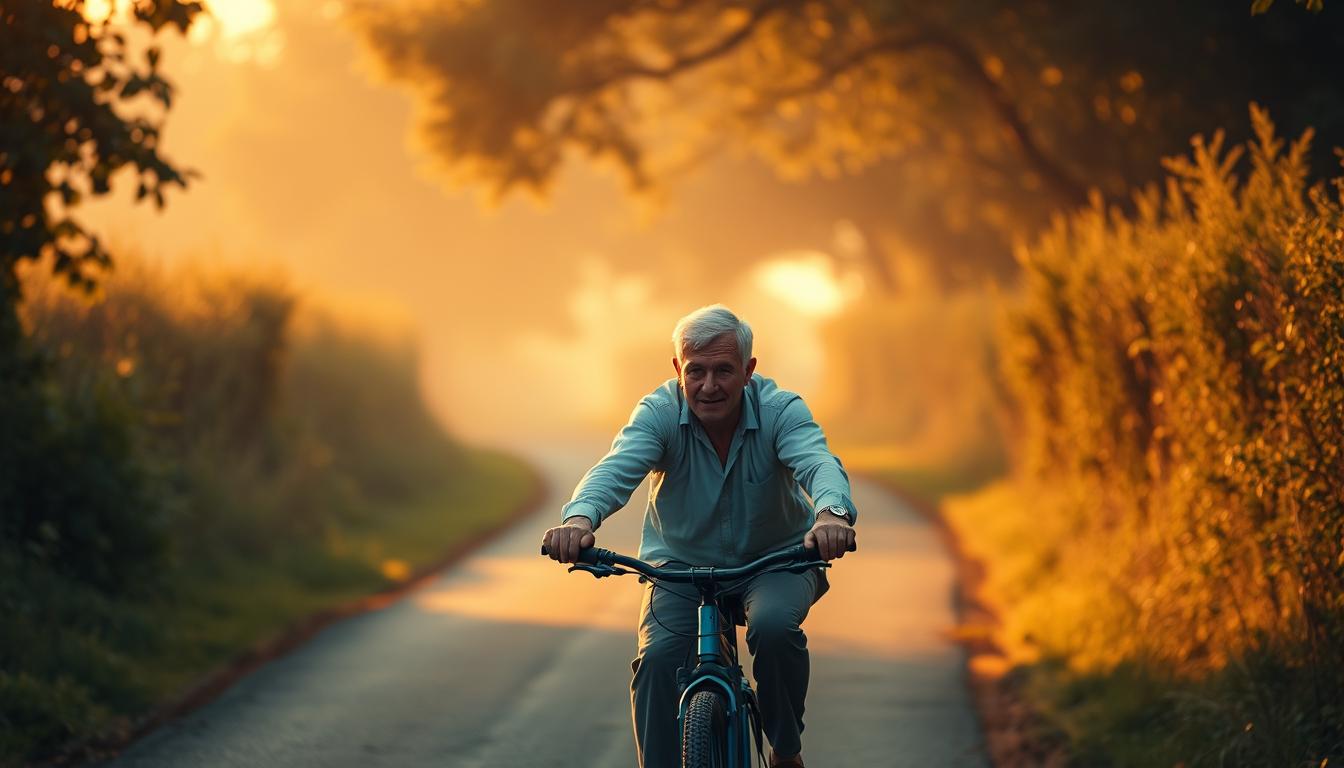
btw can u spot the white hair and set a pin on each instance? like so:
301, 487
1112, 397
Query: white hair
700, 328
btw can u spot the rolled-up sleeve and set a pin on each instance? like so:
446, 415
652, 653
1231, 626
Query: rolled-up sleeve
634, 453
802, 448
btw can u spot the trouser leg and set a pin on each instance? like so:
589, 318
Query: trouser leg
776, 605
653, 690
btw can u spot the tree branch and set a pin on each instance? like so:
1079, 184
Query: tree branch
634, 71
1067, 187
1056, 176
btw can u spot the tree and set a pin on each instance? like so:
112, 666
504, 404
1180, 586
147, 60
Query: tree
71, 492
1001, 112
65, 86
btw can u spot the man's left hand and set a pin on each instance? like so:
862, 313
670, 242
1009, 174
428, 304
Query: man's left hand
831, 536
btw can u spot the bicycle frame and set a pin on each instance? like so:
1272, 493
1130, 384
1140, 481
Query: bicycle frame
717, 666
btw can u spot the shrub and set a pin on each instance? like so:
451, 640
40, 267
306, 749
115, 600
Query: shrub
1180, 380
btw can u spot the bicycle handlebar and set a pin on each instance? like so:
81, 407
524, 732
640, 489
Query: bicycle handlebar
596, 558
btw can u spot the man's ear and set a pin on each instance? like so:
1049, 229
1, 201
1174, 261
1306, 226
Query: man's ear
751, 367
676, 366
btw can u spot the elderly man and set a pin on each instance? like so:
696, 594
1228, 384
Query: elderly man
739, 469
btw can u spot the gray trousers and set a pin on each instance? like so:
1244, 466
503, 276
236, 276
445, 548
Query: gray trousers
776, 604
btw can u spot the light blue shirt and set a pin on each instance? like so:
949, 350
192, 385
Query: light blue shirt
702, 511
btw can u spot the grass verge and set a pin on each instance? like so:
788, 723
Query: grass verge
93, 668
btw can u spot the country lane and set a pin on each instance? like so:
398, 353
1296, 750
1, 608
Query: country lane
506, 660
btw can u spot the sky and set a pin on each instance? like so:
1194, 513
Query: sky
533, 317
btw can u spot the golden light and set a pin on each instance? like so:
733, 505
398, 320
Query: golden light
98, 10
243, 30
807, 282
395, 570
901, 554
239, 18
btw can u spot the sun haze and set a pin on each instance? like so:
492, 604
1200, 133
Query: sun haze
310, 161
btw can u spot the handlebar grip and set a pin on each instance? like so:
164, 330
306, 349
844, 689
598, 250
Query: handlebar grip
588, 556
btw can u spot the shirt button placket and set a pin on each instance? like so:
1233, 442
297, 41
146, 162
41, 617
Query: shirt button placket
725, 525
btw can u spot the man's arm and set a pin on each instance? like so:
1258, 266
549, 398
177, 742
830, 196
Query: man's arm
801, 446
608, 485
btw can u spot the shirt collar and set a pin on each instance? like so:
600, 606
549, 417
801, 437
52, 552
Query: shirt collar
750, 406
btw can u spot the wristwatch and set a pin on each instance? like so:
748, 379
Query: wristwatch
838, 511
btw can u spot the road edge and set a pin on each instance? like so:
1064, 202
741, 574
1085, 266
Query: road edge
103, 748
1013, 733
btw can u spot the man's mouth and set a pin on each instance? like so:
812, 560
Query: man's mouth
713, 402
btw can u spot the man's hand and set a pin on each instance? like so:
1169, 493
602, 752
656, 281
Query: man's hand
831, 536
565, 540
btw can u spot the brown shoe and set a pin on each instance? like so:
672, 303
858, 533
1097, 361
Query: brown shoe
785, 762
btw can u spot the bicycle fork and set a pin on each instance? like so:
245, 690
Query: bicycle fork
713, 672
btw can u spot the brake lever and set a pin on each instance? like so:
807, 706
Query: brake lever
599, 571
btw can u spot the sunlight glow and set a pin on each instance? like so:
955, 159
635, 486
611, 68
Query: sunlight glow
238, 18
97, 10
614, 319
532, 590
243, 30
807, 282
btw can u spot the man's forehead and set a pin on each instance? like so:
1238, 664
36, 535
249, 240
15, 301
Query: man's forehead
722, 346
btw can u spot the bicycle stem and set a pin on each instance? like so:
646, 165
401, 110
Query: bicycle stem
708, 636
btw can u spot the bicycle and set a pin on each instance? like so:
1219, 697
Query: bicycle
717, 712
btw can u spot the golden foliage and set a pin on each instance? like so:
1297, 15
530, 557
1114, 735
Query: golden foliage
1181, 389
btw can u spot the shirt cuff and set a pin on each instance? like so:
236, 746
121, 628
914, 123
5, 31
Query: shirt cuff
581, 509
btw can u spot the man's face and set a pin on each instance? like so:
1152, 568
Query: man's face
713, 379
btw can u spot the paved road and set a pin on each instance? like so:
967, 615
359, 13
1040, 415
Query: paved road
506, 661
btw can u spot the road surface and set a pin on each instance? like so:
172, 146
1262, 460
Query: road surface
506, 660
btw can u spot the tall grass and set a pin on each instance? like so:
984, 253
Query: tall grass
216, 459
1169, 555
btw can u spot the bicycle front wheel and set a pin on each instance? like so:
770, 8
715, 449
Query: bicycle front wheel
704, 732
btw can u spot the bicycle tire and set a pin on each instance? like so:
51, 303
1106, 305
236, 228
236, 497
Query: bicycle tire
704, 732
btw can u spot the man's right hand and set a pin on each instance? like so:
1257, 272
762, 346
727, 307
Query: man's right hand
566, 540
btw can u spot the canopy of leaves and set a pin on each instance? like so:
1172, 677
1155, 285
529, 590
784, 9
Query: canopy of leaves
1005, 111
65, 88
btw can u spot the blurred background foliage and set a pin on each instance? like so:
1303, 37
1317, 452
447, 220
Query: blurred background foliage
991, 116
73, 105
1169, 551
208, 459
